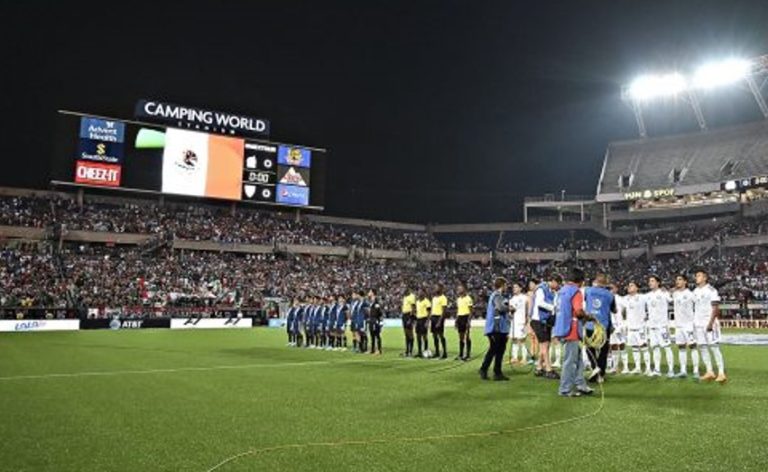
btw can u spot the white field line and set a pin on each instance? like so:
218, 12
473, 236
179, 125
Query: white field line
170, 371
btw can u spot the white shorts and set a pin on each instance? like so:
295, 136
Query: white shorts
619, 336
637, 337
684, 336
518, 331
659, 337
704, 337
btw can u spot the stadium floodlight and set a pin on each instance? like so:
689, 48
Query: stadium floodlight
720, 73
652, 86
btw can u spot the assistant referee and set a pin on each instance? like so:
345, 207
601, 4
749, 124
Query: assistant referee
409, 304
463, 322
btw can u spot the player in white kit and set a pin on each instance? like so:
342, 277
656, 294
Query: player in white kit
618, 338
706, 327
657, 302
518, 306
682, 299
634, 304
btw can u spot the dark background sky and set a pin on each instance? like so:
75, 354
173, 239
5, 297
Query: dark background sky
441, 111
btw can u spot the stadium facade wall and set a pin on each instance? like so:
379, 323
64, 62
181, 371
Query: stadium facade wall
104, 237
599, 255
316, 250
507, 257
366, 223
21, 232
682, 247
222, 247
384, 254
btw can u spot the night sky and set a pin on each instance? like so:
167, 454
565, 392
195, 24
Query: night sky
433, 111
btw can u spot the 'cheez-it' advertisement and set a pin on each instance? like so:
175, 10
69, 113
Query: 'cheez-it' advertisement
93, 173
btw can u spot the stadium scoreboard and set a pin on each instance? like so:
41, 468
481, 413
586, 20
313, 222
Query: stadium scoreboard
192, 158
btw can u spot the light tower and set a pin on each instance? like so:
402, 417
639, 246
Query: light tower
729, 72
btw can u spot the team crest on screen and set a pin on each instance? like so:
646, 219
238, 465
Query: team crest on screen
250, 190
294, 157
188, 160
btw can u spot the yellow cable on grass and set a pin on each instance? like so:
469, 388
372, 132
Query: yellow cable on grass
437, 437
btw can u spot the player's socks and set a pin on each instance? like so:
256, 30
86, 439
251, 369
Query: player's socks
515, 351
718, 355
704, 351
695, 361
461, 348
670, 359
636, 357
445, 349
656, 359
682, 354
469, 347
625, 359
646, 358
523, 353
354, 344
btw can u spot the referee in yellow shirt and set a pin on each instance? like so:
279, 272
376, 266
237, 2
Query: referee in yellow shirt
409, 305
422, 316
439, 304
464, 306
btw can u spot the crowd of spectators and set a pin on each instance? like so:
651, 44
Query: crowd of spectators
78, 276
246, 225
91, 276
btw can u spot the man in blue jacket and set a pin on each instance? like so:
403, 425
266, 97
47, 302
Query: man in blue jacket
568, 324
600, 304
497, 327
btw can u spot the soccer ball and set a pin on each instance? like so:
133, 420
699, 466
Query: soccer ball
427, 354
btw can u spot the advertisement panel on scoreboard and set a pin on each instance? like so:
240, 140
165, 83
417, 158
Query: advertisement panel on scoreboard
101, 152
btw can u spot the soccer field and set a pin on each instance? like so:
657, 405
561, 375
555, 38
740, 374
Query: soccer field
188, 400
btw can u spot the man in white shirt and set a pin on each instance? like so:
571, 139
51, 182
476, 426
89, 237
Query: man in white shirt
634, 304
518, 306
706, 327
682, 299
618, 338
657, 302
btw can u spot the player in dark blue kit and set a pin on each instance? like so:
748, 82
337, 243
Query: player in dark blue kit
341, 322
354, 308
330, 327
289, 322
362, 321
298, 322
308, 321
314, 322
325, 323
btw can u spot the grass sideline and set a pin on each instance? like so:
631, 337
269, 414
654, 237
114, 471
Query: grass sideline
186, 400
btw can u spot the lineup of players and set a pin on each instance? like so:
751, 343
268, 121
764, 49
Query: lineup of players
321, 322
636, 323
643, 328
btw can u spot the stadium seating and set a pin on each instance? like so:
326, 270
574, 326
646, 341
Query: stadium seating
695, 159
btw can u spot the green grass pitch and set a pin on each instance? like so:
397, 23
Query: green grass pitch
186, 400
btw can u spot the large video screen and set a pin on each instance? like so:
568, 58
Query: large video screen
116, 154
